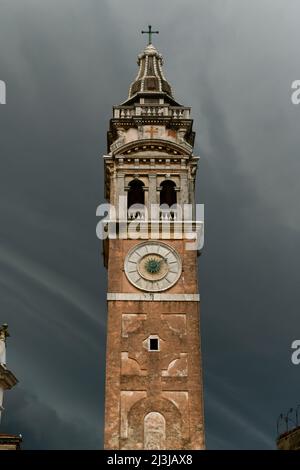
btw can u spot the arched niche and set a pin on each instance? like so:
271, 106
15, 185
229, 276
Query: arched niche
154, 431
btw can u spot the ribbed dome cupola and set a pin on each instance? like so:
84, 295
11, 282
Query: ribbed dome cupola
150, 78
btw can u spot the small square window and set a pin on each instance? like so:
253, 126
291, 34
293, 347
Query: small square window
153, 344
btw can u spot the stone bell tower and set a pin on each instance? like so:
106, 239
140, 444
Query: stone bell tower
154, 391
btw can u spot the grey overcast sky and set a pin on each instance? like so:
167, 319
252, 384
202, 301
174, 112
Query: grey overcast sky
65, 63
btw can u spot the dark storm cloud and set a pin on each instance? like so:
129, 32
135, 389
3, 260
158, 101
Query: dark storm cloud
65, 64
43, 428
248, 278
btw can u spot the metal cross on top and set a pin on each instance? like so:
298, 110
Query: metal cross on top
150, 32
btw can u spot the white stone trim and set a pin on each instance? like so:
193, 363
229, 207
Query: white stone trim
147, 296
155, 60
145, 73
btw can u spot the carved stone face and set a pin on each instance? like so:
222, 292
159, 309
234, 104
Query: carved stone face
121, 132
153, 266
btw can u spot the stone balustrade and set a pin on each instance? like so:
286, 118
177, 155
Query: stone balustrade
127, 112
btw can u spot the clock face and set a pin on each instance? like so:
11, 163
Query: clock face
153, 266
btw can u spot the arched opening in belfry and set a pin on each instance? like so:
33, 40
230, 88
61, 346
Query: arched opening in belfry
168, 193
154, 431
136, 194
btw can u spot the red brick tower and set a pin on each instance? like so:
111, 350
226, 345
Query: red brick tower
154, 391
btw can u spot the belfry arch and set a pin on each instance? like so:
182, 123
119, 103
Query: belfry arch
168, 194
136, 194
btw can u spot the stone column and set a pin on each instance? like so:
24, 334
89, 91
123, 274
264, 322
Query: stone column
152, 193
184, 190
120, 191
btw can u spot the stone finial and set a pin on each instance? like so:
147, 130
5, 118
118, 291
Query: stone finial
4, 332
